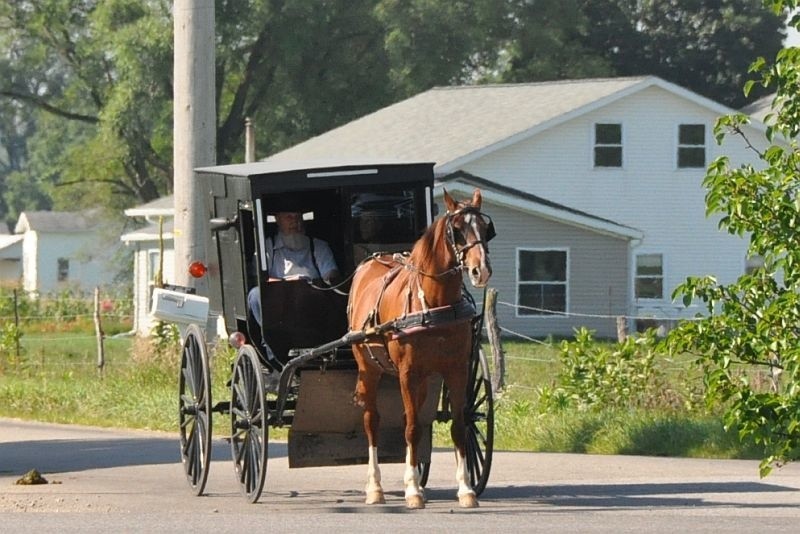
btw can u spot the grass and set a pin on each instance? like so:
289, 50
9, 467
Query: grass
56, 380
666, 427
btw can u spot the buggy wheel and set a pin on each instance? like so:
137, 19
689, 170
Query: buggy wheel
479, 418
194, 410
249, 423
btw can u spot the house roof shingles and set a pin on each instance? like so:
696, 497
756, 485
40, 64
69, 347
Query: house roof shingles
56, 221
447, 124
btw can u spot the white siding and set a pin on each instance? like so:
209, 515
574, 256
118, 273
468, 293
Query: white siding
648, 193
30, 263
143, 281
10, 271
597, 274
88, 261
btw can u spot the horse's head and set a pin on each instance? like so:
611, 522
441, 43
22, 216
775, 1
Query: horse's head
469, 232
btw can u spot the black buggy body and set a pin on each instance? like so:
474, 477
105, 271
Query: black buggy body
357, 209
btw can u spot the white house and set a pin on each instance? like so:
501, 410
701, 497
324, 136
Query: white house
595, 187
53, 251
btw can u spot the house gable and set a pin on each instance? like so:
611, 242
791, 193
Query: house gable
62, 250
649, 191
453, 126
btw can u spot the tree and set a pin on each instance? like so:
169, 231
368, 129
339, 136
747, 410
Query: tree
749, 343
548, 41
16, 127
95, 77
299, 68
703, 45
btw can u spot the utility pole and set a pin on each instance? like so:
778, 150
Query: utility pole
194, 130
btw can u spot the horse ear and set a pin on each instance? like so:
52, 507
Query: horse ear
451, 204
476, 198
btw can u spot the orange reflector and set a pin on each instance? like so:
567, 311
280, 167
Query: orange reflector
197, 269
236, 340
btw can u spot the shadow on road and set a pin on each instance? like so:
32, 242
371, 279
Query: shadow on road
635, 495
66, 455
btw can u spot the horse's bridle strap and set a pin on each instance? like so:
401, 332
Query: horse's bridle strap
460, 253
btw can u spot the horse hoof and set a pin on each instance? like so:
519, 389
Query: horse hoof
375, 497
415, 502
468, 500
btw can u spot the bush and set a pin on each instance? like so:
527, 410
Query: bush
596, 376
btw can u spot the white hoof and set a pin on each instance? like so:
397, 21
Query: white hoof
415, 502
468, 500
375, 497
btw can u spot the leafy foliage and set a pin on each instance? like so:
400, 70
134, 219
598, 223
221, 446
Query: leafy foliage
66, 310
596, 376
10, 336
704, 46
751, 329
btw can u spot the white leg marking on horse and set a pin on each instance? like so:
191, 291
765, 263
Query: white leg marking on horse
466, 495
374, 490
415, 497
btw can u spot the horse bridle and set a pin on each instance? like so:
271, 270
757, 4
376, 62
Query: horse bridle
461, 253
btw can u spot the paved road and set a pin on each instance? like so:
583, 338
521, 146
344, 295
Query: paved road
128, 481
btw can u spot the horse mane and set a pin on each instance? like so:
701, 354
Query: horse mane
426, 249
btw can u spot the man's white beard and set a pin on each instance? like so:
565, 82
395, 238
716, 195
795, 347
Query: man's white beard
295, 241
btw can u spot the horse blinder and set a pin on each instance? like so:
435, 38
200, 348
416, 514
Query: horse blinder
461, 240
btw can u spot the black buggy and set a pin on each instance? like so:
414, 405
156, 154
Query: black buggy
297, 370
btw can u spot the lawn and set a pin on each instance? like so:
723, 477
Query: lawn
56, 379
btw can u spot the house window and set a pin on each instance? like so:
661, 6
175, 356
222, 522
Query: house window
608, 145
63, 269
649, 276
691, 146
542, 281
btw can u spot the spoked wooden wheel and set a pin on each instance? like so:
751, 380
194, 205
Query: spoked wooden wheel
249, 423
479, 418
194, 394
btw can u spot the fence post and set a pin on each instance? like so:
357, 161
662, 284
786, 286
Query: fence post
493, 332
16, 328
622, 329
98, 329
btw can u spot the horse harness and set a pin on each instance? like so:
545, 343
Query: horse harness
414, 322
408, 323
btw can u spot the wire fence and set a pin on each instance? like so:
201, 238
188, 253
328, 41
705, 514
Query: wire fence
62, 321
550, 355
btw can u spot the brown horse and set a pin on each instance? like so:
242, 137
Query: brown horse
392, 290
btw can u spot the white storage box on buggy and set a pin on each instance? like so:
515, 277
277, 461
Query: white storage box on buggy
179, 307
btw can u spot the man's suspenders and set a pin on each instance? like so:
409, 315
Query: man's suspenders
271, 255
